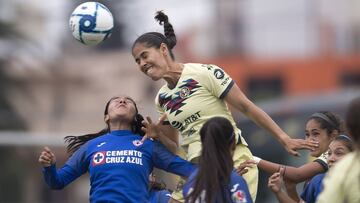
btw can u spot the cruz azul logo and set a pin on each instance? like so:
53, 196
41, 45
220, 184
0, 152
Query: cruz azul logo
118, 157
99, 158
137, 143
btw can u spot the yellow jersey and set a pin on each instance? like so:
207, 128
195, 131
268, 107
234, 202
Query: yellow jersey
342, 182
197, 96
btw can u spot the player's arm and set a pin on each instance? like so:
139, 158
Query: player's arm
170, 162
236, 98
164, 133
169, 137
58, 179
276, 184
294, 174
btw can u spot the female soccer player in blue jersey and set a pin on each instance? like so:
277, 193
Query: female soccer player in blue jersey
118, 162
323, 127
196, 92
338, 148
342, 183
215, 181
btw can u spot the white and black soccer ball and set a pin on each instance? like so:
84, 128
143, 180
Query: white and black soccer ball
91, 23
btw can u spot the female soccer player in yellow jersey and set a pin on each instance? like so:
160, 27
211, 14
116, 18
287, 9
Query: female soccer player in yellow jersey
196, 92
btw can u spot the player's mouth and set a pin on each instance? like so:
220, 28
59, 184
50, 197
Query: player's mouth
147, 69
120, 105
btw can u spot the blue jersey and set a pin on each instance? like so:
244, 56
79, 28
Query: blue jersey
238, 189
313, 189
119, 165
159, 196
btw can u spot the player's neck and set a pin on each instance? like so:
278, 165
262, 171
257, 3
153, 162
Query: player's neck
173, 75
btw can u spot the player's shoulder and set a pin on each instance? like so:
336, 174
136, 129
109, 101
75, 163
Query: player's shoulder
97, 139
200, 67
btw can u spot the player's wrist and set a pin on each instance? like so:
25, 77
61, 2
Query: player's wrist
256, 159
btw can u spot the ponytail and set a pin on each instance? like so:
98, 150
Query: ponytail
215, 163
75, 142
168, 28
137, 124
155, 39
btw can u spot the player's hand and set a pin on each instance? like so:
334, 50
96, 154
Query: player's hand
47, 157
152, 130
293, 145
276, 180
244, 167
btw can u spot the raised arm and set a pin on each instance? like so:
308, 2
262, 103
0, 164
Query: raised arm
164, 133
237, 99
55, 179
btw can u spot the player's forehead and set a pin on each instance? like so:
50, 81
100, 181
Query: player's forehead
141, 48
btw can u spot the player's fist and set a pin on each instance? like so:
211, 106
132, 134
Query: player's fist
47, 157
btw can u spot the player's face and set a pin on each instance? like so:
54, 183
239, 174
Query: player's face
316, 133
337, 150
151, 61
121, 109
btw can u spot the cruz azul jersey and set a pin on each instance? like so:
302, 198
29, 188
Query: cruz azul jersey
119, 165
237, 189
197, 96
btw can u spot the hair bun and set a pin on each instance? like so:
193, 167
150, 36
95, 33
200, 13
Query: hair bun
161, 17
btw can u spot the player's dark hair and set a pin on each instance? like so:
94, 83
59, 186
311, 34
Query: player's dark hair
155, 39
347, 141
352, 120
328, 121
75, 142
215, 163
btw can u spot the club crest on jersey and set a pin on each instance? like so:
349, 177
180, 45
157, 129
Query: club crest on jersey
98, 158
184, 92
137, 143
219, 74
173, 103
239, 197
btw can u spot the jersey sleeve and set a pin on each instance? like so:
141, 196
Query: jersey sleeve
322, 160
170, 162
160, 110
73, 168
308, 195
216, 80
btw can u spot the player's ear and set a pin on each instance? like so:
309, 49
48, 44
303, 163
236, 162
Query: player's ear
163, 49
106, 118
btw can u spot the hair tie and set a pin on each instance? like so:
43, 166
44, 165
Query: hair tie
324, 117
346, 137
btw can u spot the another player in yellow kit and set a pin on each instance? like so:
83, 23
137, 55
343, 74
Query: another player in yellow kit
196, 92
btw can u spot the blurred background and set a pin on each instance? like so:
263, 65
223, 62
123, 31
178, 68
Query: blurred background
291, 58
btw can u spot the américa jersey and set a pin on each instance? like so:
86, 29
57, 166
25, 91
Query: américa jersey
197, 96
119, 165
342, 182
237, 189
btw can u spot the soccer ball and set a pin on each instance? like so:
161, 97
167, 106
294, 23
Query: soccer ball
91, 23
